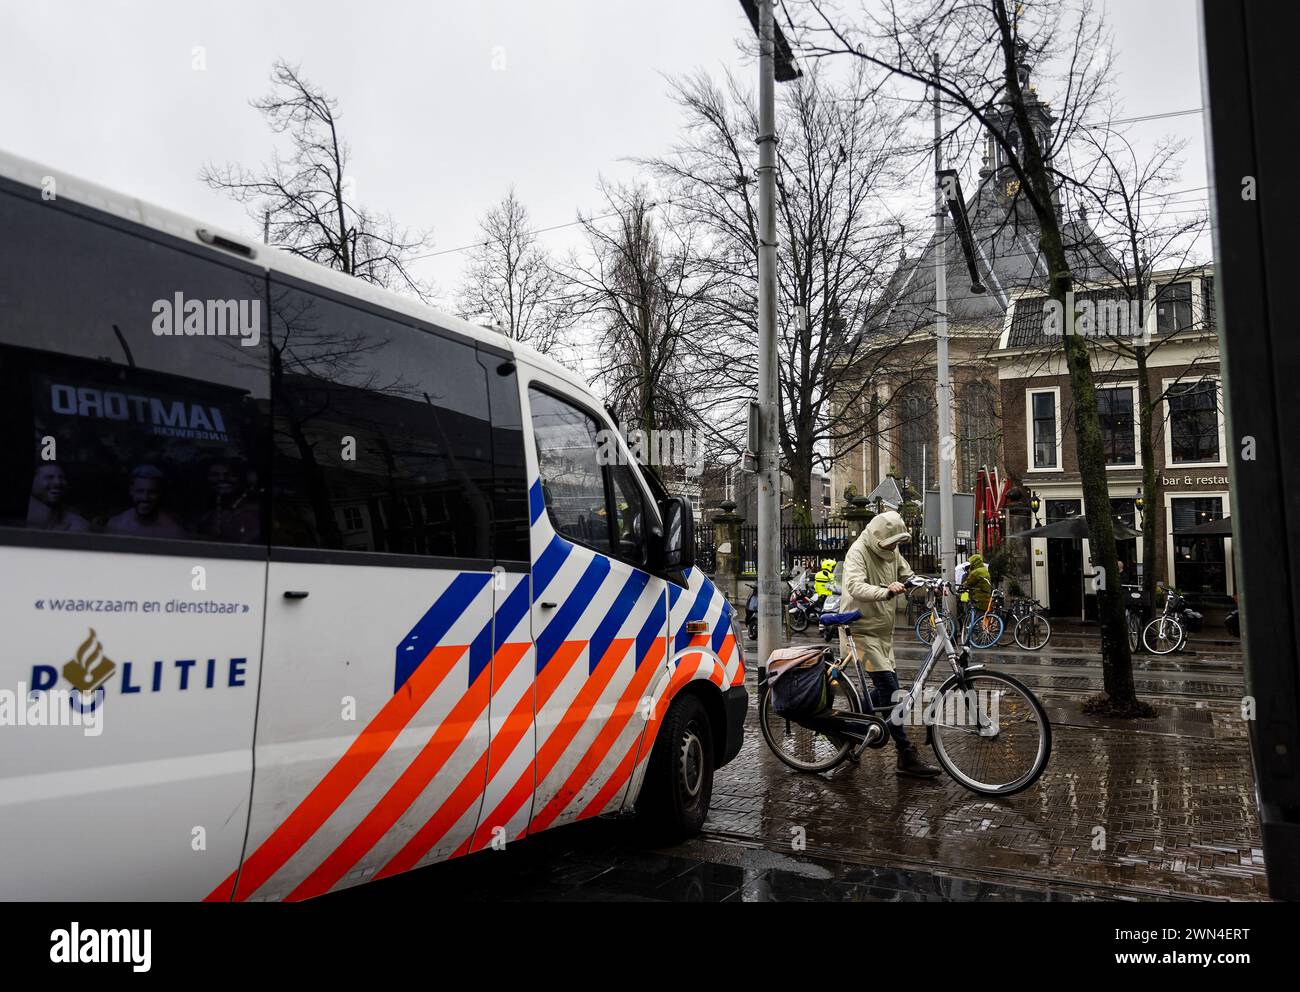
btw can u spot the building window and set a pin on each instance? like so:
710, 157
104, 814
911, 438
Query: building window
1199, 562
916, 435
1193, 422
1062, 509
1044, 427
977, 431
1118, 428
352, 520
1173, 307
1125, 512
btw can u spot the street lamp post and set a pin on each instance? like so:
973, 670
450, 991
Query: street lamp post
774, 62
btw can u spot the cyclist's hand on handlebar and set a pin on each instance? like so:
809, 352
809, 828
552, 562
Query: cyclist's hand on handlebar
895, 588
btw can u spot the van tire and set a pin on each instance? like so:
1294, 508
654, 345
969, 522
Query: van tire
679, 782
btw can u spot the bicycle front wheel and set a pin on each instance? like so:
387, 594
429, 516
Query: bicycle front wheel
1162, 635
1134, 632
990, 732
1033, 631
929, 624
803, 749
986, 631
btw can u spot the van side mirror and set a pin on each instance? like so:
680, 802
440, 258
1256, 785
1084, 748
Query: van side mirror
679, 533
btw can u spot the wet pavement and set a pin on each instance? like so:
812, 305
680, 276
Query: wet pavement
1160, 808
607, 861
1126, 810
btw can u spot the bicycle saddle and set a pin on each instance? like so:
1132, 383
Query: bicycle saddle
837, 619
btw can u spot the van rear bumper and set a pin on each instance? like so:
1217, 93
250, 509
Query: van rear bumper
735, 703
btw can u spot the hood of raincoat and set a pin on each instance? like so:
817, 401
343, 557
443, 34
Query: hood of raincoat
976, 560
885, 533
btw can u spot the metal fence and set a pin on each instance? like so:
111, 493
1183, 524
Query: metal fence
804, 546
801, 545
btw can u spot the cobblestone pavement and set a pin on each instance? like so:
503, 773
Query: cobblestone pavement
1174, 796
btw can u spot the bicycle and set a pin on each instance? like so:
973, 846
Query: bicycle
1134, 615
989, 732
1032, 630
983, 630
1166, 633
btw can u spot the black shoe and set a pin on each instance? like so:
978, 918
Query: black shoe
910, 763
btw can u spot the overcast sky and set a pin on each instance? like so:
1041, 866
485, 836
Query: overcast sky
106, 90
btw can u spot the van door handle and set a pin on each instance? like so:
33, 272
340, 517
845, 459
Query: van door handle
291, 594
548, 606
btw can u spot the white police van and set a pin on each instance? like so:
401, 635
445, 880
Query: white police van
303, 583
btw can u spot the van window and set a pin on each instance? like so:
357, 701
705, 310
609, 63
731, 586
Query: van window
382, 433
573, 482
510, 471
630, 517
133, 381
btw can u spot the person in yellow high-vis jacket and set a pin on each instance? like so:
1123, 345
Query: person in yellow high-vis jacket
874, 573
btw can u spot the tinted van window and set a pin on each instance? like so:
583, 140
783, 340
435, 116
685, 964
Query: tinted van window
133, 380
510, 472
382, 433
573, 482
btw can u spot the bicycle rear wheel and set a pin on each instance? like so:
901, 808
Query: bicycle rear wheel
990, 733
986, 630
1134, 632
803, 749
1033, 631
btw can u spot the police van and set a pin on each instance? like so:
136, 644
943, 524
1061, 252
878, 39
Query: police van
304, 584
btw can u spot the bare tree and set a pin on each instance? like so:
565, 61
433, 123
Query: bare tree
1149, 248
640, 289
838, 241
509, 281
983, 51
307, 200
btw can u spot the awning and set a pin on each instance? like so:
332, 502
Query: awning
1076, 528
1211, 528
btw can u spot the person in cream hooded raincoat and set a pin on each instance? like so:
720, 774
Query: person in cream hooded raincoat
874, 573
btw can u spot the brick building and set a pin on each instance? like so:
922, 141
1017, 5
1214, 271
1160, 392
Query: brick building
1190, 445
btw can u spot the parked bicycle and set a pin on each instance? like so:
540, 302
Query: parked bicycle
1031, 629
988, 730
1166, 633
983, 629
1134, 615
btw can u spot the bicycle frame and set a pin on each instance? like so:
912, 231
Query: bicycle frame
941, 646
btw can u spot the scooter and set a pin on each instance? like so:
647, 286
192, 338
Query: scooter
803, 607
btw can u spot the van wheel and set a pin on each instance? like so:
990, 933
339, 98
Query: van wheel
679, 782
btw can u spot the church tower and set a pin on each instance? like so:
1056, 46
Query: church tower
1040, 119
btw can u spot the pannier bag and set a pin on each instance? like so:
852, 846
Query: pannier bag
797, 680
